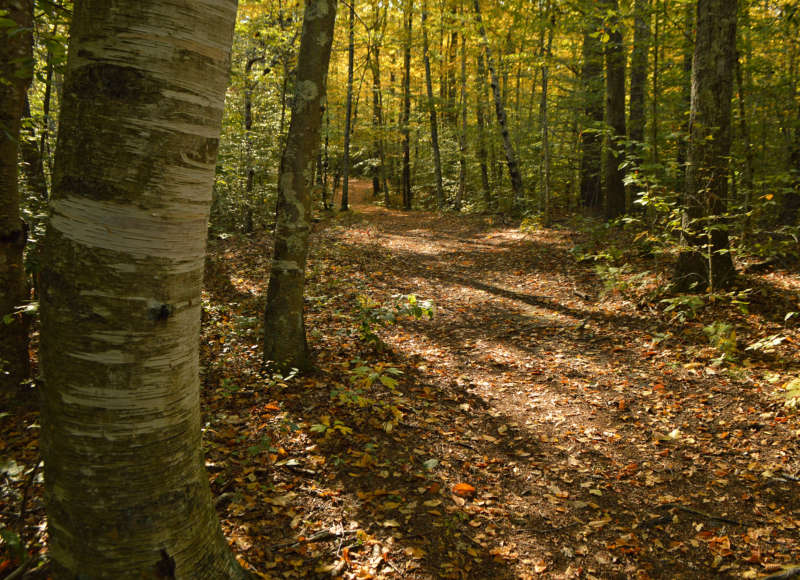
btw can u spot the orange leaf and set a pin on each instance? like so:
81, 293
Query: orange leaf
463, 489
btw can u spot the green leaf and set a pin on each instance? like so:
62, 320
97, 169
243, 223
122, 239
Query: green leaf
388, 382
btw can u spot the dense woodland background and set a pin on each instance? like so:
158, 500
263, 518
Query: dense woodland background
600, 231
549, 123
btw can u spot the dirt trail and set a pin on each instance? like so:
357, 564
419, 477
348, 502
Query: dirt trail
601, 450
539, 429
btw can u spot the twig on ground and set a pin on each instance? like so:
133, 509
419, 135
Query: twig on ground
323, 536
785, 574
712, 517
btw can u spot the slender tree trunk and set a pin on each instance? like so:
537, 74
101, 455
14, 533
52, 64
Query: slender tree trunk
480, 97
744, 126
284, 90
688, 47
379, 182
517, 187
33, 165
452, 55
248, 142
706, 258
462, 131
437, 158
591, 140
44, 139
544, 118
641, 48
326, 161
656, 73
285, 343
126, 493
16, 72
790, 202
615, 114
379, 173
348, 110
406, 122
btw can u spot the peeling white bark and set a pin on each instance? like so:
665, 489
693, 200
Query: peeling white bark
142, 108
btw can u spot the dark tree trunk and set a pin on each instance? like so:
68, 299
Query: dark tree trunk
744, 125
656, 72
543, 116
408, 15
379, 178
641, 48
686, 95
33, 164
615, 114
437, 158
462, 129
16, 71
379, 172
706, 259
349, 110
591, 139
44, 139
326, 160
500, 110
285, 343
250, 172
480, 113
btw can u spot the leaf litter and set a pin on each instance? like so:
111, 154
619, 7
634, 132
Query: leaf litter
536, 427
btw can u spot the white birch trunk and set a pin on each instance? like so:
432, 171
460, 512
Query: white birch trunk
126, 492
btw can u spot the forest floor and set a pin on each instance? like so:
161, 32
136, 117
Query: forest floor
542, 424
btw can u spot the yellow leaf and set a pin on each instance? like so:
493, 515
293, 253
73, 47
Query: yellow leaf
414, 552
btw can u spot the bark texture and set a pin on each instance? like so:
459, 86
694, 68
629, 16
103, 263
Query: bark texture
706, 259
615, 114
16, 71
591, 141
285, 343
126, 492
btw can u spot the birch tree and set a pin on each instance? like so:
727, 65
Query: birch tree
126, 492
